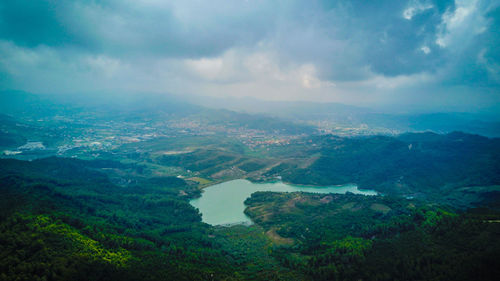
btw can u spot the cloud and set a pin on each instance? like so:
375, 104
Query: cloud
159, 28
414, 8
346, 51
460, 25
492, 67
426, 50
257, 73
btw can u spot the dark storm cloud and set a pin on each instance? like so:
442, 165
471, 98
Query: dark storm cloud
370, 33
377, 51
31, 23
137, 27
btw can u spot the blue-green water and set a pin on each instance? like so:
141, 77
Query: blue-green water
223, 203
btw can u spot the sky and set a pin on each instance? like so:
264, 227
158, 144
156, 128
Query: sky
428, 55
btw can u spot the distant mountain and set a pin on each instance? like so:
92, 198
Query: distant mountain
438, 122
353, 116
245, 112
290, 109
23, 103
138, 108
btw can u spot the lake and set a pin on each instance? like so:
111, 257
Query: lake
222, 204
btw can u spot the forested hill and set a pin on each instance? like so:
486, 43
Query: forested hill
415, 164
61, 219
126, 215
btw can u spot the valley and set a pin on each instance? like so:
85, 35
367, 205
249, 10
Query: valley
219, 195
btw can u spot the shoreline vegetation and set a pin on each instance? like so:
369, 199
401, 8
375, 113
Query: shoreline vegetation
224, 203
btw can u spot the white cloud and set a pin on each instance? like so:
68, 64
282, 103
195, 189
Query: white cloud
414, 8
242, 65
257, 73
426, 50
400, 81
459, 26
109, 67
208, 68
